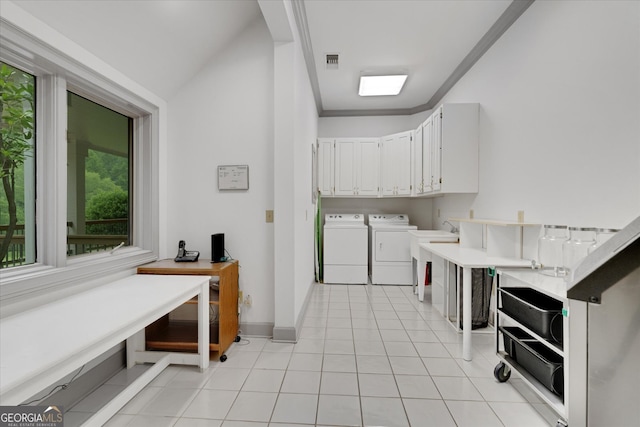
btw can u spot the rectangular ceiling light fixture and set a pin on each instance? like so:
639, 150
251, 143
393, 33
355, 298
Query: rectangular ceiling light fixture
381, 85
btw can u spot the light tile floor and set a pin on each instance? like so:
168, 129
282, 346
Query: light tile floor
367, 356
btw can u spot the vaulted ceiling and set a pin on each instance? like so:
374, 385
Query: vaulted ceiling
161, 44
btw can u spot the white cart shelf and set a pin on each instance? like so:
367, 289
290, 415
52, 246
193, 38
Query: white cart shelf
571, 407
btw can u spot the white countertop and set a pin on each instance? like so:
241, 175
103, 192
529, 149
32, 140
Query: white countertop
469, 257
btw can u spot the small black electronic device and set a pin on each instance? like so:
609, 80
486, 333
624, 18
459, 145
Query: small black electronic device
217, 248
185, 255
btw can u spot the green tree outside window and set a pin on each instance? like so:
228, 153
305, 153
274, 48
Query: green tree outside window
17, 95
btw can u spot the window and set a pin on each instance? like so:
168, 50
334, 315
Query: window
62, 202
17, 167
98, 162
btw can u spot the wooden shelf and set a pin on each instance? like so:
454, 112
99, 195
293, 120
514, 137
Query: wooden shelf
214, 298
182, 335
179, 335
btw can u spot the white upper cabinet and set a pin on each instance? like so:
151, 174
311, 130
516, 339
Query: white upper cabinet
455, 148
446, 151
395, 160
439, 157
326, 165
357, 166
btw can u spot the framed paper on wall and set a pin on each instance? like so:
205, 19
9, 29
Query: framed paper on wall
233, 177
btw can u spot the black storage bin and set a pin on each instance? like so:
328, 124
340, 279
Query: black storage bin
543, 363
481, 283
535, 310
511, 335
536, 358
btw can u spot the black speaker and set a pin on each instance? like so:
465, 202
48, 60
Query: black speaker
217, 247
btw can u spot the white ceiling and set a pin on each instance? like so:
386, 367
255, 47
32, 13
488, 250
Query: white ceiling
161, 43
426, 39
158, 43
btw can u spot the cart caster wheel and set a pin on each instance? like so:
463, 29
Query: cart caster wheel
237, 339
223, 358
502, 373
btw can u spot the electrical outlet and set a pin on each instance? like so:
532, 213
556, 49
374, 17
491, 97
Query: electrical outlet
520, 216
269, 216
470, 213
248, 301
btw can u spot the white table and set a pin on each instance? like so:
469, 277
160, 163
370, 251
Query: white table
422, 257
468, 258
40, 346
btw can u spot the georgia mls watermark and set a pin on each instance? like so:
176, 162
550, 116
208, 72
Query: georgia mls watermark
31, 416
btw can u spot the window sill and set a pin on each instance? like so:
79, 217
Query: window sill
38, 284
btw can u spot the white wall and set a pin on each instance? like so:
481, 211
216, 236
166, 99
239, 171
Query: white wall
295, 125
251, 104
305, 134
368, 126
223, 117
560, 117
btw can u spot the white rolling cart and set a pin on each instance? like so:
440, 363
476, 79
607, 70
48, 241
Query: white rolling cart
551, 357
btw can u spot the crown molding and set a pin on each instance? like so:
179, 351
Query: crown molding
502, 24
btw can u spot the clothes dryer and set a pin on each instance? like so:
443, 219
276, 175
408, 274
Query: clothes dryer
390, 249
345, 249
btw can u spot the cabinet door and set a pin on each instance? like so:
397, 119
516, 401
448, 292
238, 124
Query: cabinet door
427, 155
345, 155
456, 131
396, 164
326, 166
418, 181
402, 164
388, 160
367, 168
436, 162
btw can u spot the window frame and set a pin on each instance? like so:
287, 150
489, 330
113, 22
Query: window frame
56, 72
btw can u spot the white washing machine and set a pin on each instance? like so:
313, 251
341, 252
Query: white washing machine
390, 260
346, 243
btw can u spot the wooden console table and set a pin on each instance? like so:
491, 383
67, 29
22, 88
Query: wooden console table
181, 335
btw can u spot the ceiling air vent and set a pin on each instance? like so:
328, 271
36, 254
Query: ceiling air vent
332, 61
